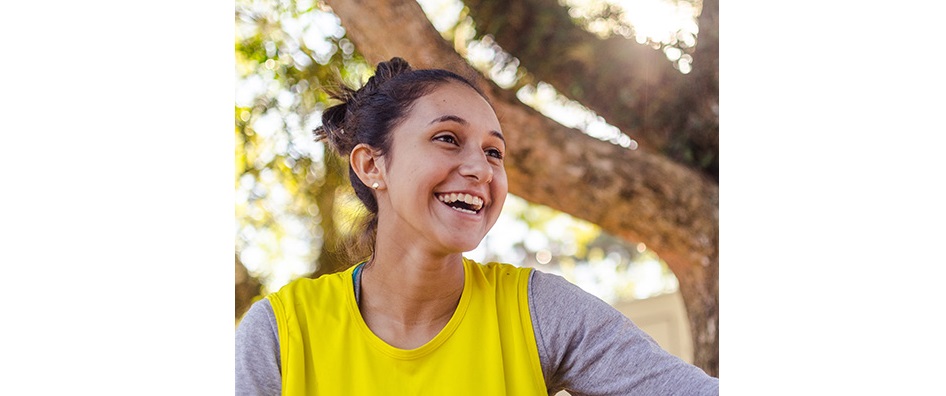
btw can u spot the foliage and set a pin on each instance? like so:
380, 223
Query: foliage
287, 184
645, 21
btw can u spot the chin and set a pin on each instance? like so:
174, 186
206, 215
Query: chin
468, 247
462, 246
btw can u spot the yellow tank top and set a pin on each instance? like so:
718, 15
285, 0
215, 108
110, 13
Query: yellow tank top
487, 348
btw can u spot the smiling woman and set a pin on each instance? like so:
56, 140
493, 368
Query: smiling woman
417, 317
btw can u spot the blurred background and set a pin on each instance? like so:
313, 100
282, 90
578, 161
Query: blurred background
295, 208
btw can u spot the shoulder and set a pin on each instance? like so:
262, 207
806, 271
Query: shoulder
494, 266
498, 273
554, 295
258, 317
257, 329
327, 286
257, 352
592, 348
306, 284
563, 314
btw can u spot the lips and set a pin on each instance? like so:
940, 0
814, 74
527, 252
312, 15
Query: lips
462, 202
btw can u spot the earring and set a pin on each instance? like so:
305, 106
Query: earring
375, 185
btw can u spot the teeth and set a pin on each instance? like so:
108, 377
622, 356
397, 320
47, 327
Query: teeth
463, 210
473, 201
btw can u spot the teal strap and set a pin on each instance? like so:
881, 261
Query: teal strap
356, 280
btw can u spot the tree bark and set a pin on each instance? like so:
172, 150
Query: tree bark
632, 86
247, 287
333, 256
636, 195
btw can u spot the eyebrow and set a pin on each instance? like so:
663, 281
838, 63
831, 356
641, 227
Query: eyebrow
450, 117
499, 135
461, 121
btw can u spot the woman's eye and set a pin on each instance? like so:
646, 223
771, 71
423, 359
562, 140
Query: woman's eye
494, 153
446, 139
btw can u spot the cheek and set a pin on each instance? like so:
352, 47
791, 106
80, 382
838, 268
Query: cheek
500, 181
499, 189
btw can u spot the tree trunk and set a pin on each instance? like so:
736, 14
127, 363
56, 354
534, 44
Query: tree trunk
636, 195
247, 287
333, 255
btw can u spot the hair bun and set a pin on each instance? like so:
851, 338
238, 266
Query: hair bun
384, 72
338, 118
334, 125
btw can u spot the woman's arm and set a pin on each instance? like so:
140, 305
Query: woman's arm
589, 348
257, 352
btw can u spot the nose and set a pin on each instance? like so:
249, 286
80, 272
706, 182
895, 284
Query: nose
476, 166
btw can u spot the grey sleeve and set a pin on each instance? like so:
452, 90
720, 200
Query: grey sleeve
257, 352
589, 348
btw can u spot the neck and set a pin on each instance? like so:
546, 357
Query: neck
411, 288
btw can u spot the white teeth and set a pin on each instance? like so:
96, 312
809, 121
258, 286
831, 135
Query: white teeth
463, 210
473, 201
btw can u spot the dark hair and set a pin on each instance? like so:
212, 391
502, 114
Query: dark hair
369, 114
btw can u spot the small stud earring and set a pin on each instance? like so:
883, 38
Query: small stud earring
375, 185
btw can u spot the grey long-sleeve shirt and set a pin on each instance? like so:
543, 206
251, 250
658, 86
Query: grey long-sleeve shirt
585, 347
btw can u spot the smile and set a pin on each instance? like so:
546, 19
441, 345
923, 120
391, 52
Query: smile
465, 203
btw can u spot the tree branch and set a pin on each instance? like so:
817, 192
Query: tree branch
632, 86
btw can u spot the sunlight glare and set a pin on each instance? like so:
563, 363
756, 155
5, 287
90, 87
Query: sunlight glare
569, 113
268, 124
657, 20
656, 23
673, 53
684, 66
443, 14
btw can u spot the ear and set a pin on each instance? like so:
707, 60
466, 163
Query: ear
367, 164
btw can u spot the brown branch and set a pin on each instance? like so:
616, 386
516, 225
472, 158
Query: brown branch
632, 86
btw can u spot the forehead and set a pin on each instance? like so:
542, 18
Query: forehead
454, 99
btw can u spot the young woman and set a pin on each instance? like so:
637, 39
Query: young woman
426, 158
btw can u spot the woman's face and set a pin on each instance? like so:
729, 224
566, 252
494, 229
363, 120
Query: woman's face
445, 183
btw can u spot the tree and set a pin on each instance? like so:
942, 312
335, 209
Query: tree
283, 178
247, 288
664, 194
